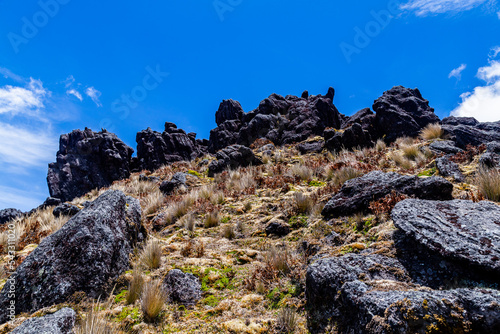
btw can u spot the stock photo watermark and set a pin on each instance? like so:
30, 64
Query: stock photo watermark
123, 105
10, 285
30, 28
363, 37
223, 6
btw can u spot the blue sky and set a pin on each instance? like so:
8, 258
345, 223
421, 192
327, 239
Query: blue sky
128, 65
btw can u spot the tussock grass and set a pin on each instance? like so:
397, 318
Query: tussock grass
135, 287
150, 256
153, 202
340, 176
404, 141
303, 203
380, 145
239, 181
189, 222
400, 160
94, 322
410, 152
137, 187
287, 320
212, 219
488, 183
302, 172
432, 131
278, 260
153, 299
228, 232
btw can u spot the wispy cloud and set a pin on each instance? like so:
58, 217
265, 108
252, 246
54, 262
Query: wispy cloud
22, 100
8, 74
483, 102
21, 199
94, 94
69, 81
457, 72
429, 7
75, 93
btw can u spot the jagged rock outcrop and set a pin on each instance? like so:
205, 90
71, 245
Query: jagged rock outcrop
356, 194
232, 157
7, 215
65, 209
61, 322
178, 180
183, 288
87, 160
468, 131
448, 168
352, 137
86, 254
283, 120
444, 146
402, 112
325, 278
491, 158
444, 241
380, 307
156, 149
312, 146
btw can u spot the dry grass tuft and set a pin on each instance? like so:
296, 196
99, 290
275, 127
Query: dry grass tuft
278, 260
340, 176
380, 145
153, 299
400, 160
228, 232
287, 320
488, 183
303, 203
211, 219
153, 202
150, 256
95, 323
432, 131
135, 287
302, 172
411, 152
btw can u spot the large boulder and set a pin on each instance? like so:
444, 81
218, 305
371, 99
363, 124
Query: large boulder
468, 131
325, 278
379, 307
178, 180
448, 168
282, 120
61, 322
441, 242
402, 112
7, 215
86, 254
444, 146
156, 149
182, 288
87, 160
349, 138
233, 157
356, 194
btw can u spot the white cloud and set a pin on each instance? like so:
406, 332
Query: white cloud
22, 100
428, 7
8, 74
75, 93
94, 94
483, 103
457, 72
494, 52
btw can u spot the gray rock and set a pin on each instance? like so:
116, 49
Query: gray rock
178, 180
468, 131
7, 215
65, 209
356, 194
145, 178
493, 147
87, 160
278, 228
183, 288
233, 157
325, 278
448, 168
374, 309
444, 146
61, 322
489, 160
442, 242
86, 254
315, 146
349, 138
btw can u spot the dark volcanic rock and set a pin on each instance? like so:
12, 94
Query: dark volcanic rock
65, 209
7, 215
489, 160
466, 235
402, 112
278, 228
283, 120
87, 160
315, 146
448, 168
178, 180
371, 308
493, 147
61, 322
145, 178
468, 131
325, 278
156, 149
233, 157
86, 254
444, 146
356, 194
183, 288
51, 201
353, 136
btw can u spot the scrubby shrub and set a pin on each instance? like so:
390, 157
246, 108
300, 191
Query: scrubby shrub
432, 131
153, 299
150, 256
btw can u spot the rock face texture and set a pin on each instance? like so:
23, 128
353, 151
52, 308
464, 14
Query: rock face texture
233, 157
402, 112
7, 215
448, 168
65, 209
91, 249
356, 194
178, 180
87, 160
370, 308
156, 149
282, 120
61, 322
183, 288
459, 238
352, 137
468, 131
444, 146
